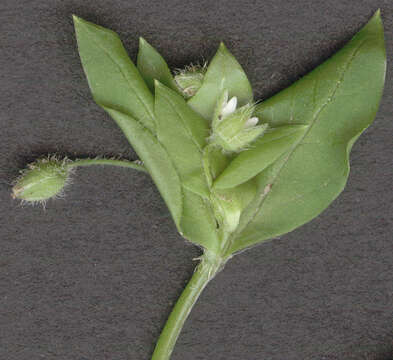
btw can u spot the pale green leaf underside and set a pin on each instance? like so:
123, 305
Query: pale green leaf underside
224, 72
113, 79
152, 66
338, 100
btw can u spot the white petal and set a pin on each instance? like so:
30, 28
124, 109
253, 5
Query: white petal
230, 107
251, 122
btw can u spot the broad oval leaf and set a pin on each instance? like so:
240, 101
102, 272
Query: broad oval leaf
338, 100
223, 72
152, 66
156, 160
263, 152
113, 78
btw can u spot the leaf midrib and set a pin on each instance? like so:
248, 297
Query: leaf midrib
108, 54
185, 127
330, 98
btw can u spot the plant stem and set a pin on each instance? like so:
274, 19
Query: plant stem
209, 266
123, 163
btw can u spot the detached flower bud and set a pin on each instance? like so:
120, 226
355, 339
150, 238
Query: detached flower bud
44, 179
234, 129
190, 79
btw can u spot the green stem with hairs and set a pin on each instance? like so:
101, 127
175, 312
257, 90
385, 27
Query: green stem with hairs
136, 165
209, 266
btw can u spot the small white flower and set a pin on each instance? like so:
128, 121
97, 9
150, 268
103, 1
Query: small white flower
229, 107
251, 122
233, 129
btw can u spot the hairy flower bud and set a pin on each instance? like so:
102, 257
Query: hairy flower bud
190, 79
234, 129
42, 180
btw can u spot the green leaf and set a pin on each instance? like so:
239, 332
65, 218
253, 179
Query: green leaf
183, 133
338, 101
224, 72
261, 154
156, 160
214, 162
198, 223
152, 66
113, 79
227, 203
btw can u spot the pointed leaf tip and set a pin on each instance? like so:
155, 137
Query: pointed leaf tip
153, 66
313, 174
112, 76
78, 20
376, 17
223, 72
222, 46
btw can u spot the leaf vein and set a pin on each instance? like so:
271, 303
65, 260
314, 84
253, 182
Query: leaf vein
313, 121
185, 127
108, 54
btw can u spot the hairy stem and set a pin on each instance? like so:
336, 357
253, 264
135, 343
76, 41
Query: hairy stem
209, 266
136, 165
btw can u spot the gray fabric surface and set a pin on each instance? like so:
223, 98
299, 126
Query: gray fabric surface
95, 275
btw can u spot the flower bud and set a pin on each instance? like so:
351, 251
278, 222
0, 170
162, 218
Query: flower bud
190, 79
234, 129
229, 209
44, 179
230, 203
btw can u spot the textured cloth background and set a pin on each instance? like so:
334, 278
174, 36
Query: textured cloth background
95, 275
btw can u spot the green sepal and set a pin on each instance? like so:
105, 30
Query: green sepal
42, 180
230, 203
221, 102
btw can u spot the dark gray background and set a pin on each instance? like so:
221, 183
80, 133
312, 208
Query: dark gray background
94, 276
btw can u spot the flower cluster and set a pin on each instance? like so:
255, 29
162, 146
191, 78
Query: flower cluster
233, 129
